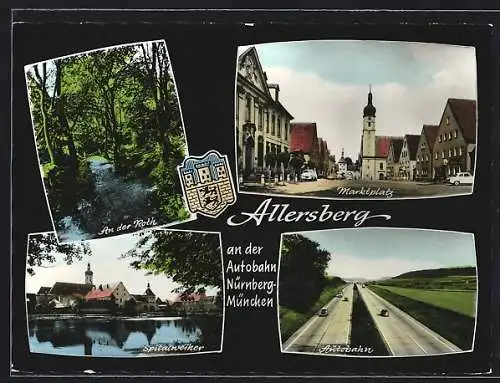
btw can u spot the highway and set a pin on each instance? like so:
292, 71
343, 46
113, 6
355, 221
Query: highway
335, 328
402, 334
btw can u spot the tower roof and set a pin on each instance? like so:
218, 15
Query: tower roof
149, 291
369, 110
88, 271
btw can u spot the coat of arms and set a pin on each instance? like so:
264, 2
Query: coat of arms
207, 183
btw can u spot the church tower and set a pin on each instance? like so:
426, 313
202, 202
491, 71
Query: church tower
368, 140
89, 276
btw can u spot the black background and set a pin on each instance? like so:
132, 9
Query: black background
203, 48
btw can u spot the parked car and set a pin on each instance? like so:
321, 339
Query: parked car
308, 175
462, 178
384, 313
323, 312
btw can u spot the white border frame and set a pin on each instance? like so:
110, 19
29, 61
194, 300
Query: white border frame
28, 67
132, 357
235, 97
375, 356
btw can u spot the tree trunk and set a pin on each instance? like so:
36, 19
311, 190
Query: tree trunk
43, 110
63, 121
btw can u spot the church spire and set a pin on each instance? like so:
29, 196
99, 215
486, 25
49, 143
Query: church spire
89, 275
369, 110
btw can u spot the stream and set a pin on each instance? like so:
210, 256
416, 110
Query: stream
115, 201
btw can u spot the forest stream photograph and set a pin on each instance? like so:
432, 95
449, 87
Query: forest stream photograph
109, 134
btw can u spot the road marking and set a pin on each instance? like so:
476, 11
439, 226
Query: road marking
311, 321
387, 343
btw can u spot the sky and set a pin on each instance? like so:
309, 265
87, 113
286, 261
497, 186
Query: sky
374, 253
327, 82
107, 268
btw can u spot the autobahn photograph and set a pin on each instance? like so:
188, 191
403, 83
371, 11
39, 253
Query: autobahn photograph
377, 292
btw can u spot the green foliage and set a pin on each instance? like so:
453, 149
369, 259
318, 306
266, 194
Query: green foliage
296, 161
284, 158
302, 272
270, 159
442, 272
43, 250
117, 104
191, 259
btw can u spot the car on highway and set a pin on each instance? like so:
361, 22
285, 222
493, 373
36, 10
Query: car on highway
323, 312
462, 178
384, 313
308, 175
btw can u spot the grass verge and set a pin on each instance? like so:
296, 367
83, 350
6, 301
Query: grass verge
291, 320
455, 327
364, 332
462, 302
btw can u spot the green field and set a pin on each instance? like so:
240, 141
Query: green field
451, 282
456, 327
462, 302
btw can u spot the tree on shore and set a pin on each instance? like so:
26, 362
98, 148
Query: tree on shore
191, 259
43, 250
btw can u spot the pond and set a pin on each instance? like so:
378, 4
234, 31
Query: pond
124, 337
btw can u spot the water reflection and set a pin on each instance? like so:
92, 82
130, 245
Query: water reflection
120, 337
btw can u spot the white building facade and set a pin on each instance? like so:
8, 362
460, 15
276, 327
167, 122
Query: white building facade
368, 148
262, 122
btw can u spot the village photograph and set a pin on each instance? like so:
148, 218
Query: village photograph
377, 292
109, 135
356, 119
144, 294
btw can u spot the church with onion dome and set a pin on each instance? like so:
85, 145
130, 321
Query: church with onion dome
374, 149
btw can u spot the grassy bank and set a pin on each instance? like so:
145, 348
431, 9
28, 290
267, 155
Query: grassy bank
462, 302
457, 328
364, 333
291, 320
451, 282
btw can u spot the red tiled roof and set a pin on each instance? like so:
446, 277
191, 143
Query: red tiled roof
465, 114
303, 137
412, 145
397, 145
382, 145
98, 294
430, 132
325, 146
106, 291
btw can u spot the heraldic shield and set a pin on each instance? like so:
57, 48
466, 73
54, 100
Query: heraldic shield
207, 183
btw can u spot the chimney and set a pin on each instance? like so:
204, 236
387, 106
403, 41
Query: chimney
276, 88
